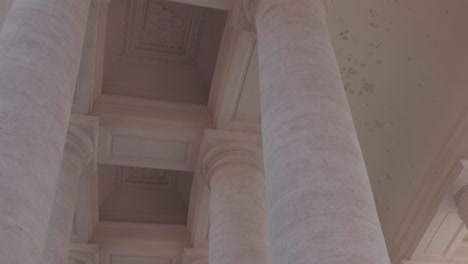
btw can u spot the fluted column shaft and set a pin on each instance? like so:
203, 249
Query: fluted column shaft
238, 217
320, 203
75, 163
40, 45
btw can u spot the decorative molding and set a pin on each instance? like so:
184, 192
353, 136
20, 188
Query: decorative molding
216, 142
198, 216
231, 154
86, 210
198, 220
120, 258
441, 239
236, 82
150, 134
89, 80
133, 242
79, 147
162, 30
439, 182
146, 178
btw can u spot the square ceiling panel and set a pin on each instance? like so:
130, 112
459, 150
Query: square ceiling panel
161, 50
143, 195
163, 30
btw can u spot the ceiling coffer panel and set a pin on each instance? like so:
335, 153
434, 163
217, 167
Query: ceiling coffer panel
163, 30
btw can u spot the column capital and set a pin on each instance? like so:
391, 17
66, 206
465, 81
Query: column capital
231, 154
80, 142
224, 148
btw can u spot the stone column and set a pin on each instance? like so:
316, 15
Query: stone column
76, 162
238, 217
320, 203
40, 45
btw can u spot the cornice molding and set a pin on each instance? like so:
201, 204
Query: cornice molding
439, 183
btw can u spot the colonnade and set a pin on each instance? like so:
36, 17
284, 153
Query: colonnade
40, 49
312, 204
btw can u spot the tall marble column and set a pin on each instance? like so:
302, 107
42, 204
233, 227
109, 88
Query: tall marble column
76, 161
320, 203
238, 217
40, 45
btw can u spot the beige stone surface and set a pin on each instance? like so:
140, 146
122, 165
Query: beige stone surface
402, 64
238, 214
40, 44
76, 161
320, 204
4, 8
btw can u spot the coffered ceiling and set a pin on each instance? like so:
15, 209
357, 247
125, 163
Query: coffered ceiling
143, 195
161, 50
162, 30
403, 65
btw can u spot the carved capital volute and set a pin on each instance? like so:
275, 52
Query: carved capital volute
231, 154
244, 14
